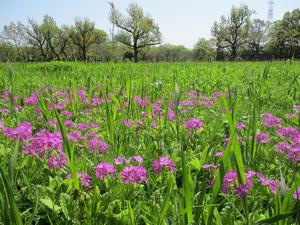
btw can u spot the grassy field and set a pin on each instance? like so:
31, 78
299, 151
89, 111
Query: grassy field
168, 143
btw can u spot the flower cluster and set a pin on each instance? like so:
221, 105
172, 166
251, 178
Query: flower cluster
57, 162
140, 102
42, 143
291, 145
271, 121
95, 145
22, 132
229, 178
241, 190
104, 169
210, 166
262, 138
121, 160
134, 175
163, 163
296, 195
32, 100
193, 124
84, 178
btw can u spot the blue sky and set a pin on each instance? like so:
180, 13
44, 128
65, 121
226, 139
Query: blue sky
180, 21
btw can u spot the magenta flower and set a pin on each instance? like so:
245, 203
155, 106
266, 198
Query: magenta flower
52, 123
240, 126
1, 124
187, 103
19, 108
68, 124
212, 182
5, 112
23, 132
272, 184
134, 175
66, 113
42, 143
282, 147
229, 178
32, 100
92, 134
119, 160
84, 178
161, 163
289, 133
210, 166
57, 162
155, 109
105, 169
219, 154
262, 138
207, 104
271, 121
140, 102
296, 107
138, 159
97, 145
74, 137
296, 195
93, 125
193, 124
216, 95
294, 154
82, 126
293, 115
128, 123
59, 105
5, 95
243, 189
171, 106
171, 115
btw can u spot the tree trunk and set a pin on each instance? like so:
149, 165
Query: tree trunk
233, 53
135, 55
42, 51
84, 54
135, 50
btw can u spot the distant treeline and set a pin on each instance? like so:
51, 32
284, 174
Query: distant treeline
136, 36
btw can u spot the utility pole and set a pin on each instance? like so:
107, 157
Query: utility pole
270, 11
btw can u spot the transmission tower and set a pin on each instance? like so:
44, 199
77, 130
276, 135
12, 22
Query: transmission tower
270, 11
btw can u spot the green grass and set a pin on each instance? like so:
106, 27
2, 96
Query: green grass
32, 193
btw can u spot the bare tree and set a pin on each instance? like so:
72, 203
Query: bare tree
137, 31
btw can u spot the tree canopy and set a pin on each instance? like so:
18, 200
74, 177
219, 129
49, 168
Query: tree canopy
135, 36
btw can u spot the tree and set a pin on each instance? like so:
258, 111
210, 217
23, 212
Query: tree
232, 32
36, 38
84, 35
15, 33
204, 50
50, 32
137, 31
285, 35
257, 36
8, 52
63, 41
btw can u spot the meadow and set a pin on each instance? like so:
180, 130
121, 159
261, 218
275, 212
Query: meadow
166, 143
